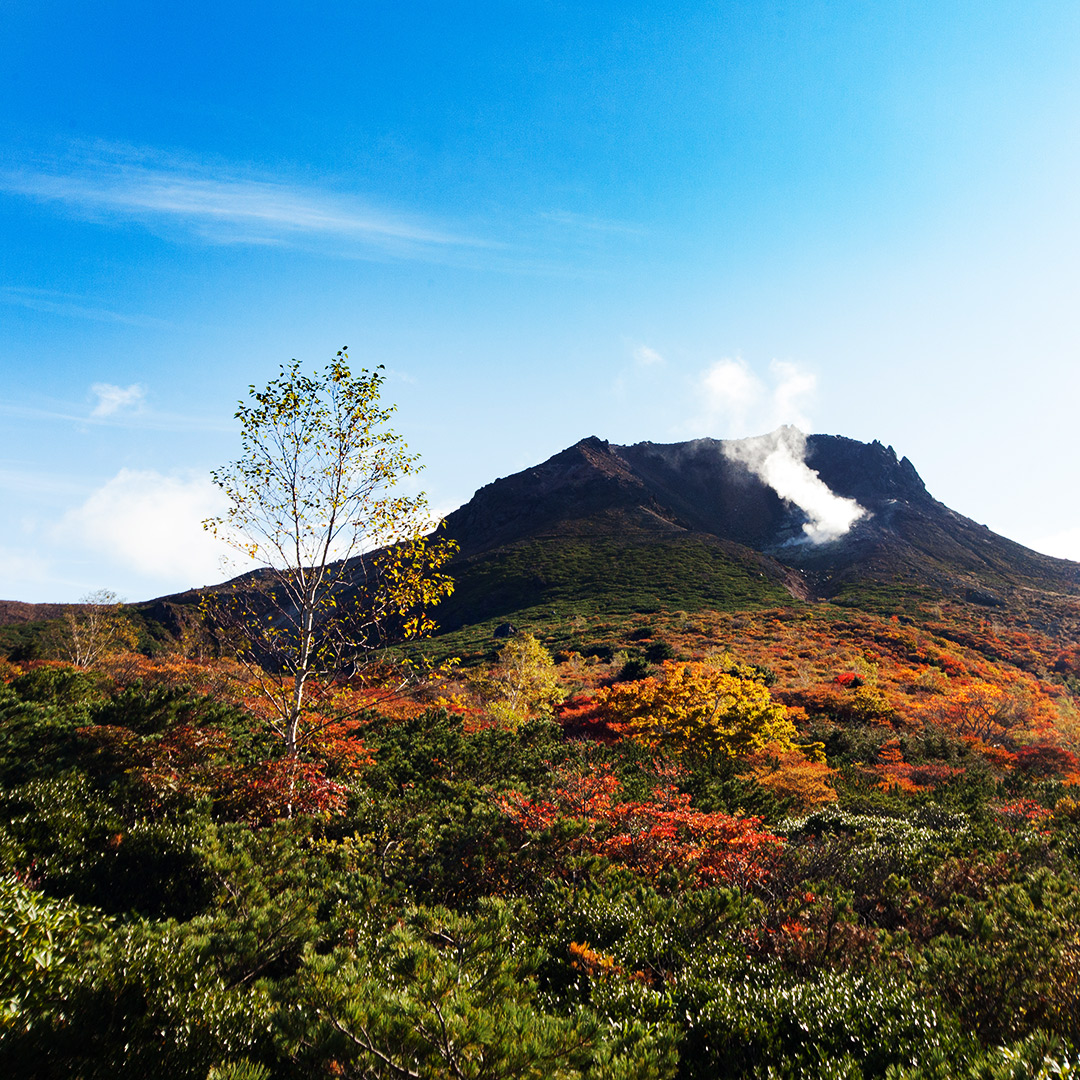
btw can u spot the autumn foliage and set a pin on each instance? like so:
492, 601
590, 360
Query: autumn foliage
696, 711
650, 836
803, 780
818, 844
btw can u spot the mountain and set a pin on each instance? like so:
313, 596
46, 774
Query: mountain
689, 523
691, 526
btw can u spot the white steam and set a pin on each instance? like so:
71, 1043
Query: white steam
734, 397
779, 459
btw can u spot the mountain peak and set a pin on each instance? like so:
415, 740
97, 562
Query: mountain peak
717, 490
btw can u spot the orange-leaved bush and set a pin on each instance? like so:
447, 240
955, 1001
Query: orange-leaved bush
802, 778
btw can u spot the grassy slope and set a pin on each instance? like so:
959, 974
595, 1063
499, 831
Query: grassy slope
549, 584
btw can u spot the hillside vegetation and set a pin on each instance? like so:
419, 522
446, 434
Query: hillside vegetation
783, 839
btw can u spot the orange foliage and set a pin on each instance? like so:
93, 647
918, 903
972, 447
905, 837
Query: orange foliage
997, 713
190, 761
896, 773
352, 700
790, 774
596, 964
997, 757
220, 678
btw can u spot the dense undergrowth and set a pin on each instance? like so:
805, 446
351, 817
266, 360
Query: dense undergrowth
870, 867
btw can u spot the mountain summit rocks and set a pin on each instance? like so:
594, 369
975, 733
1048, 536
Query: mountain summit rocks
692, 486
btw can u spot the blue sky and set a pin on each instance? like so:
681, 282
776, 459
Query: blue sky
547, 220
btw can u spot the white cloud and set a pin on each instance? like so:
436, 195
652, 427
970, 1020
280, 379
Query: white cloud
734, 400
730, 391
111, 399
792, 389
149, 524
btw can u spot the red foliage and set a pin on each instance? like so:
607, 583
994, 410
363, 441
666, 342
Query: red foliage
190, 761
284, 787
848, 679
650, 836
1047, 761
582, 717
1022, 812
337, 746
997, 757
185, 759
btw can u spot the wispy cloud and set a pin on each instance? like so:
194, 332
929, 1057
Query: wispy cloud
144, 419
72, 306
644, 356
17, 478
220, 204
112, 399
569, 219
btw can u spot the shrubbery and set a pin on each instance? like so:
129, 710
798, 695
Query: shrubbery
497, 900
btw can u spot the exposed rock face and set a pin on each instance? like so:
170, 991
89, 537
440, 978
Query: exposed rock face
587, 478
867, 472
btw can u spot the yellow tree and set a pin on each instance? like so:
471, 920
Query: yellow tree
315, 499
523, 681
696, 711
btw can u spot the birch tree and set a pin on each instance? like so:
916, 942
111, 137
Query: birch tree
315, 500
98, 628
